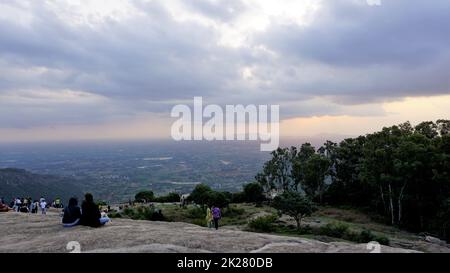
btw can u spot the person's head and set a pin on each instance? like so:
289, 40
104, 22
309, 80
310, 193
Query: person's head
89, 198
73, 202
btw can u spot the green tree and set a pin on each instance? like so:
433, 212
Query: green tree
218, 199
277, 172
427, 128
144, 196
171, 197
200, 194
316, 169
294, 204
253, 193
443, 126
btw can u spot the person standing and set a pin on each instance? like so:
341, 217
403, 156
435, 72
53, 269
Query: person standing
216, 216
17, 204
43, 206
209, 218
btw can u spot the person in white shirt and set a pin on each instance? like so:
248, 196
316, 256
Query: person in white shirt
43, 206
18, 204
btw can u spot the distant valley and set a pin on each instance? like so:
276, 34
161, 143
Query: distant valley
117, 171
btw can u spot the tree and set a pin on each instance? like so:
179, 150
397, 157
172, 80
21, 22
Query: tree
427, 128
294, 204
401, 172
253, 193
218, 199
277, 172
144, 196
171, 197
443, 126
316, 169
346, 187
200, 194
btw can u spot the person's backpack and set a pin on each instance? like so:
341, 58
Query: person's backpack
216, 213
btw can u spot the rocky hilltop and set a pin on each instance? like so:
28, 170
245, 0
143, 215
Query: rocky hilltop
44, 233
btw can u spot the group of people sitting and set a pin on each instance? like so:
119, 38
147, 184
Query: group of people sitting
88, 215
25, 205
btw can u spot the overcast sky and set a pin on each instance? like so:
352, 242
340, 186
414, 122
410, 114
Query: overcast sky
104, 68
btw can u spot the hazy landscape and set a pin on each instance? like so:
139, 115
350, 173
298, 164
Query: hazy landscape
116, 171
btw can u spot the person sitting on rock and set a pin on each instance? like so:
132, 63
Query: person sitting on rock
3, 206
72, 213
90, 214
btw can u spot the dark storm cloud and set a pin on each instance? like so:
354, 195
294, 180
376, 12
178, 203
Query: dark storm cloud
400, 48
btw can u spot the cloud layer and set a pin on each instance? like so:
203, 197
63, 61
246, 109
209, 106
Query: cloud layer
86, 62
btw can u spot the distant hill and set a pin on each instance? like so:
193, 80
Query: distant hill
21, 183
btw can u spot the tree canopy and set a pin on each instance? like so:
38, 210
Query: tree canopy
401, 172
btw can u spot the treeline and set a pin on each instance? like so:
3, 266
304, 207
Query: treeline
149, 196
205, 196
401, 173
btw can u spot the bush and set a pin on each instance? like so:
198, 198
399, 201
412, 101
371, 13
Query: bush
263, 223
335, 229
196, 213
238, 197
114, 214
144, 213
128, 211
367, 236
233, 211
169, 198
199, 222
101, 203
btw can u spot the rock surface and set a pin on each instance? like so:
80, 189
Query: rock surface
44, 233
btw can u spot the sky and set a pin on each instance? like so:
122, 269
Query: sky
113, 69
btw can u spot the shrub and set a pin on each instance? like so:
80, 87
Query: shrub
101, 203
367, 236
238, 197
114, 214
169, 198
199, 222
263, 223
128, 211
196, 213
233, 211
335, 229
144, 213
